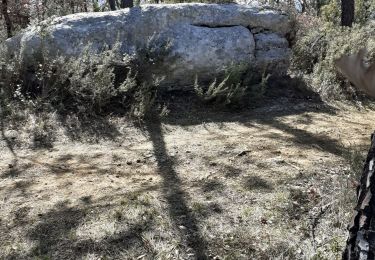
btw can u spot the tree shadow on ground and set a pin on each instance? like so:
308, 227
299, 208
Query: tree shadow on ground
267, 113
22, 186
15, 169
230, 171
46, 127
256, 183
54, 233
303, 137
58, 166
88, 128
178, 208
55, 226
197, 114
211, 185
55, 237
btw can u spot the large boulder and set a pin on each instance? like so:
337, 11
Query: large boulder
204, 38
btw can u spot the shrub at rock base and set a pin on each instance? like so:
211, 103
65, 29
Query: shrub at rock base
89, 84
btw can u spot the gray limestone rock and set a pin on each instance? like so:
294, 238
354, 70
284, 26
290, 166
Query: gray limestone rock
205, 38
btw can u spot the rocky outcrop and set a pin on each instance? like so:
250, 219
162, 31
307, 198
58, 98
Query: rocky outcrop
205, 38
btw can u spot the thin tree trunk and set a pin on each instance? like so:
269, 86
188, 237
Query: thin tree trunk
44, 8
8, 22
317, 7
85, 6
304, 6
361, 241
347, 12
127, 3
112, 4
72, 7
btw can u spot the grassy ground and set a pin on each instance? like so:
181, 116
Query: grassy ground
277, 181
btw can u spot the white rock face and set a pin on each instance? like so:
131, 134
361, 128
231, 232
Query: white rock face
205, 38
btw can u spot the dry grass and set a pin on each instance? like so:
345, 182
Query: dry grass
272, 182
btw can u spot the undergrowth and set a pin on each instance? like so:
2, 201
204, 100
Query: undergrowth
239, 87
90, 84
319, 46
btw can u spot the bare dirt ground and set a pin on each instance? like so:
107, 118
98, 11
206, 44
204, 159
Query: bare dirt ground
265, 183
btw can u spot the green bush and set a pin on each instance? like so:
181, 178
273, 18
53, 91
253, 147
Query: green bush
85, 83
316, 50
139, 89
91, 83
331, 12
363, 10
240, 86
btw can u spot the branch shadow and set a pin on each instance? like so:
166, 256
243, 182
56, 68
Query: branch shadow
267, 114
89, 129
257, 183
54, 227
55, 235
303, 137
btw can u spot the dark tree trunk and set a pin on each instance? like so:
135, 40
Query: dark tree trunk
304, 6
44, 8
318, 4
72, 7
112, 4
85, 9
127, 3
347, 12
8, 22
361, 241
24, 20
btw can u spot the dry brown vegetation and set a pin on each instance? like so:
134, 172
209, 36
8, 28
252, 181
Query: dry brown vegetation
276, 181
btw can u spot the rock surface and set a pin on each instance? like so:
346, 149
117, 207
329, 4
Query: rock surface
205, 38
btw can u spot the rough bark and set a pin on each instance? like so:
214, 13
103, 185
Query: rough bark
361, 241
8, 22
347, 12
